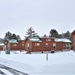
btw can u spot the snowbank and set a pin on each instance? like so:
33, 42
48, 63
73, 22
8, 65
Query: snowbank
58, 63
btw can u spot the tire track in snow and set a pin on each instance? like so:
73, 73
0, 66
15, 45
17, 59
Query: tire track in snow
11, 70
2, 73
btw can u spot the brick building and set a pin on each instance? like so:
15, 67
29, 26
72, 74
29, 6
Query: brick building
73, 39
1, 46
38, 44
46, 44
15, 45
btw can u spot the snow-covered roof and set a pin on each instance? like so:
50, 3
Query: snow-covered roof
34, 39
62, 40
13, 41
1, 44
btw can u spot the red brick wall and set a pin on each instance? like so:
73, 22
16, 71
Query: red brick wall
1, 48
21, 45
43, 46
17, 46
26, 43
36, 48
73, 39
59, 46
33, 48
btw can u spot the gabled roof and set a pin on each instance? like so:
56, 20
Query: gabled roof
73, 33
34, 39
62, 40
13, 41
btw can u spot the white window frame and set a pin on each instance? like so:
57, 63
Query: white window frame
46, 44
37, 44
48, 39
14, 44
22, 44
54, 44
28, 45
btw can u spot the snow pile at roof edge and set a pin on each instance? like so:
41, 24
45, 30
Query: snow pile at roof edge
1, 44
13, 41
35, 39
62, 40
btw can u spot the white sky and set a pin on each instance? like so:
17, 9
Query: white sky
17, 16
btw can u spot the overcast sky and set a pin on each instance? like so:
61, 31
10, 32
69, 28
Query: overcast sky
17, 16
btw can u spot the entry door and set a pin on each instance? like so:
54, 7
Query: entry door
54, 45
28, 46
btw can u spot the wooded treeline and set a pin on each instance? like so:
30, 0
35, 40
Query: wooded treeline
31, 33
52, 33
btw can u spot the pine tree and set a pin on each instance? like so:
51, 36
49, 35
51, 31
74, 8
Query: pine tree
30, 32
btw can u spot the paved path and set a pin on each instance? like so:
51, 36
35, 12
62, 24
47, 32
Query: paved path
11, 70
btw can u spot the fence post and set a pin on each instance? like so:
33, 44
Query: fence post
47, 55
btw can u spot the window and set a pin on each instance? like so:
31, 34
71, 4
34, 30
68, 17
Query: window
66, 45
37, 44
28, 45
69, 45
54, 45
14, 44
48, 39
22, 44
46, 44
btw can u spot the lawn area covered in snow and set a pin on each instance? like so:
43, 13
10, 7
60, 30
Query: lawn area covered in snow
36, 63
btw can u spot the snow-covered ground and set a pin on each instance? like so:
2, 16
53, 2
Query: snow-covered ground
36, 63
